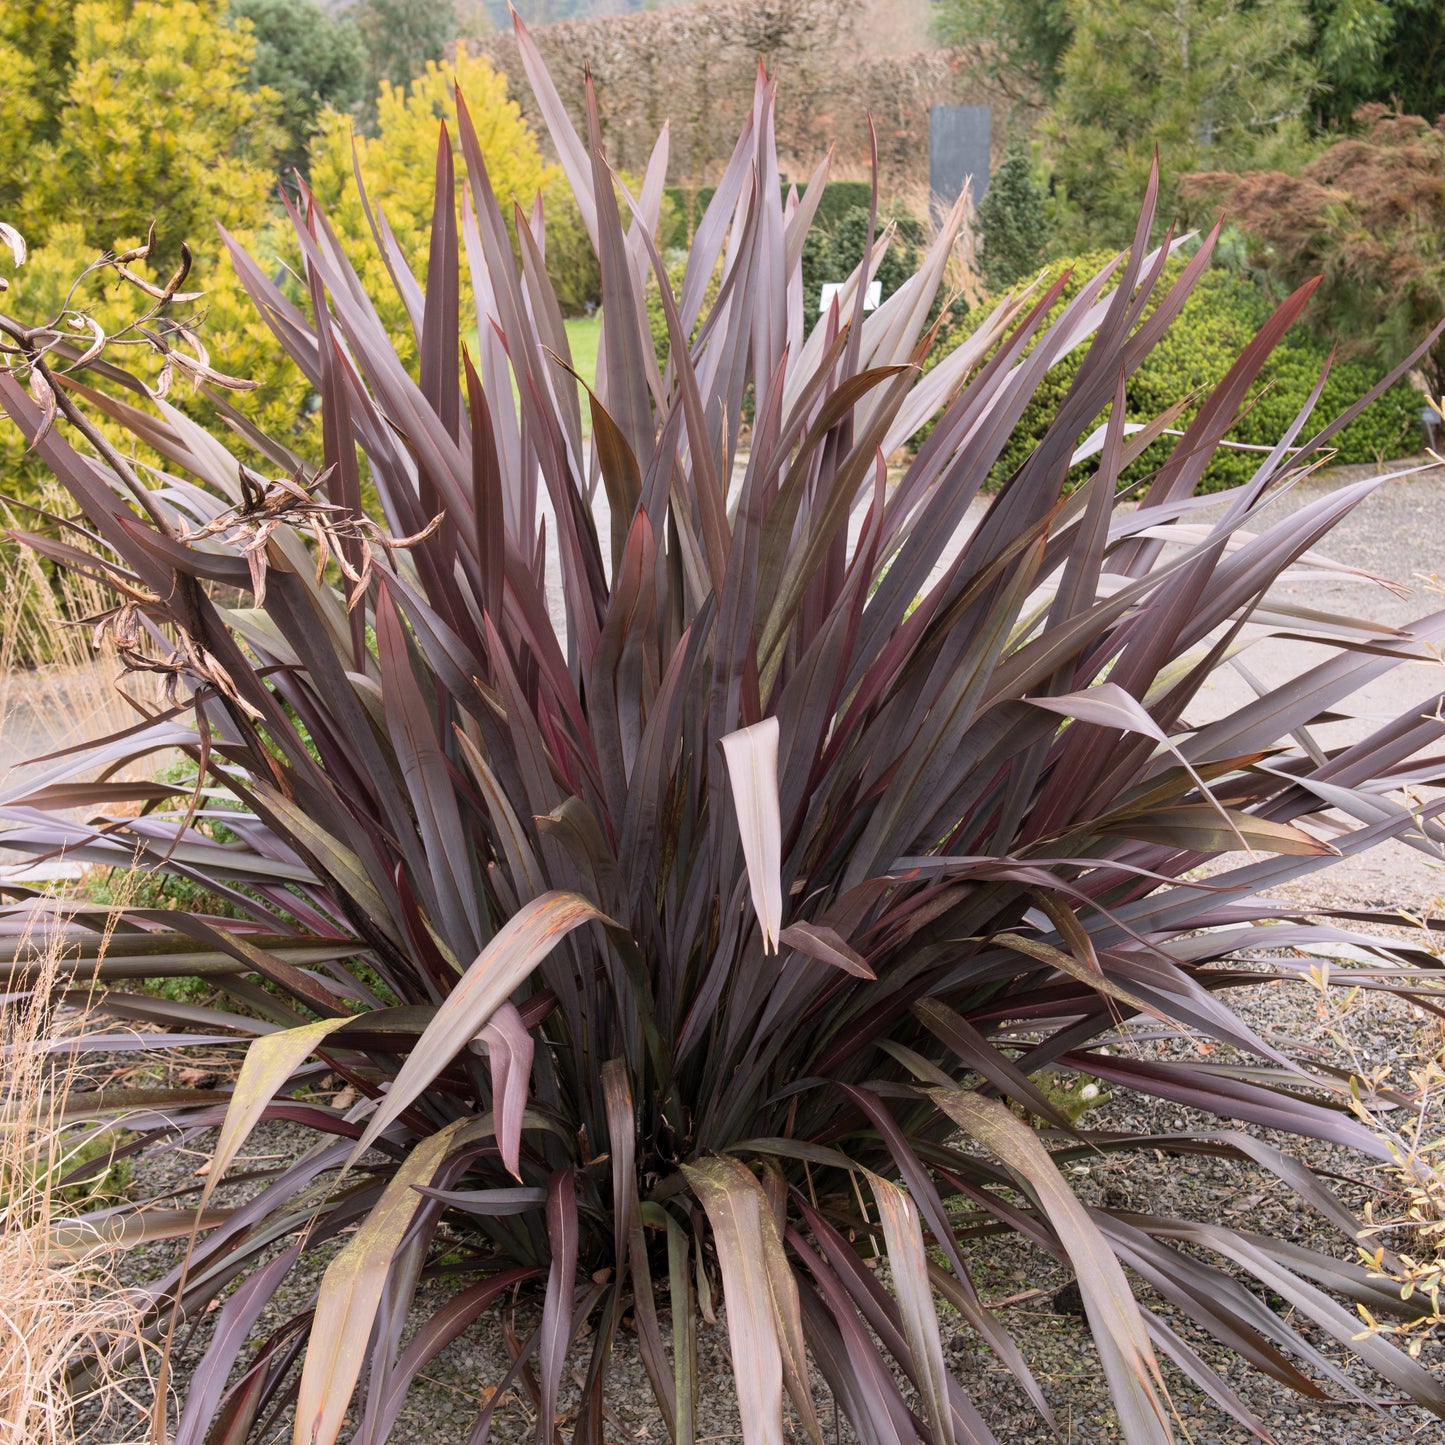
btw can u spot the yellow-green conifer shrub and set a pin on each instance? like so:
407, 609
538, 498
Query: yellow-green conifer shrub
131, 113
36, 43
20, 109
157, 125
398, 168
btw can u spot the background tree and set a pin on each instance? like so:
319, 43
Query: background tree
398, 164
1348, 43
140, 112
1022, 41
1388, 51
1392, 51
1414, 60
400, 37
1013, 225
1367, 216
310, 59
1210, 84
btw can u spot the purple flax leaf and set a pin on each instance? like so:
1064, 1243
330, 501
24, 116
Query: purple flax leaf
509, 1050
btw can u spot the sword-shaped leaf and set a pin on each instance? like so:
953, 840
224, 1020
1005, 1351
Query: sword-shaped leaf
738, 1211
498, 970
908, 1260
351, 1292
1119, 1334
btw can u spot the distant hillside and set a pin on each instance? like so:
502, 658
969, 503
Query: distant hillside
692, 65
895, 26
550, 12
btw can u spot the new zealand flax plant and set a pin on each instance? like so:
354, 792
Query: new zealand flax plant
692, 941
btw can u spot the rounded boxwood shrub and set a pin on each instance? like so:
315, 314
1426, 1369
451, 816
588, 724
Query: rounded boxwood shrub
1223, 313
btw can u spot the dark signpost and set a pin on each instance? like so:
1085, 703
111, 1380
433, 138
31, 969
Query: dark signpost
958, 147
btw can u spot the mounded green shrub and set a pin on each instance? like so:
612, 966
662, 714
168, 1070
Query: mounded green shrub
832, 253
657, 312
1223, 313
688, 203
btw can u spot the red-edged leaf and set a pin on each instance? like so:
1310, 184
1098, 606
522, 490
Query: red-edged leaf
509, 1051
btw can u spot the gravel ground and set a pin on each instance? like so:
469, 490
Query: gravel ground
1393, 533
1046, 1325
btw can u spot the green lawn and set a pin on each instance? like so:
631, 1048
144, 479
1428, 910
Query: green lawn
583, 336
584, 333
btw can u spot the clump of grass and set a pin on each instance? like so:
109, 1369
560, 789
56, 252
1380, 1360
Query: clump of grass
1402, 1242
61, 1305
57, 680
1417, 1270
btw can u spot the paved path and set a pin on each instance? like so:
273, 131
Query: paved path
1397, 532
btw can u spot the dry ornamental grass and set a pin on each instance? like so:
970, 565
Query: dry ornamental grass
59, 1300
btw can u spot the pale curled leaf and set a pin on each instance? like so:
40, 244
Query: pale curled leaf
44, 395
501, 966
752, 759
1086, 973
509, 1049
97, 340
1197, 827
15, 241
80, 1239
198, 371
788, 1316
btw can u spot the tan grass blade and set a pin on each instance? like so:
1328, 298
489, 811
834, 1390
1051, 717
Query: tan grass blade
59, 1297
57, 687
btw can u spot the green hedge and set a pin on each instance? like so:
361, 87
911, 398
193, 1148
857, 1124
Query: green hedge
1221, 317
688, 205
830, 253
